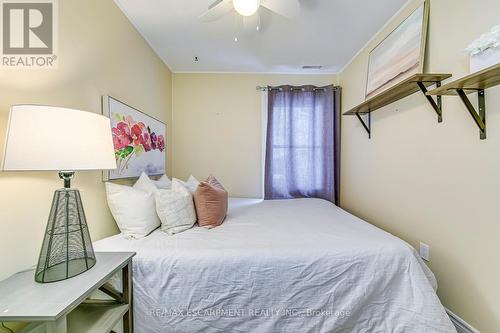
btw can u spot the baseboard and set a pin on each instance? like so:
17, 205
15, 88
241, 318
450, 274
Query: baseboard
461, 325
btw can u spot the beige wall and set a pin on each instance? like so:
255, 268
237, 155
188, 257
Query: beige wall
100, 53
218, 126
430, 182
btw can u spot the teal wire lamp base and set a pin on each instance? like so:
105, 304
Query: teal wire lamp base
67, 248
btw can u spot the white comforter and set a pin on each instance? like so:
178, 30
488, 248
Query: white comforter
293, 266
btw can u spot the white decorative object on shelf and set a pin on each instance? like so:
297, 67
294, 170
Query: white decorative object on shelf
485, 59
485, 51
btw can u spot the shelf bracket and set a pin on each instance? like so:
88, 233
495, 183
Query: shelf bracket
368, 126
436, 105
479, 117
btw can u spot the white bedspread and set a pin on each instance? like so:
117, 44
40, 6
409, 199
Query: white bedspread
293, 266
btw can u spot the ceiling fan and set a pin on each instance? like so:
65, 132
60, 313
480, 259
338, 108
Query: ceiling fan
287, 8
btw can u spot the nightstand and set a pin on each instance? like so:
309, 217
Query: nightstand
64, 306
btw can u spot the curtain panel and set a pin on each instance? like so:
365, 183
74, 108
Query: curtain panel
303, 143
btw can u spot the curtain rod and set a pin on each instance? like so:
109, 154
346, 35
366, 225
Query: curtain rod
266, 88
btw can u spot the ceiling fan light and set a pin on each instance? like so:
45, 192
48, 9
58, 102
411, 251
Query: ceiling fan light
246, 7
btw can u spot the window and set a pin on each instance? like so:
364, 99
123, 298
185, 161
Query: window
302, 143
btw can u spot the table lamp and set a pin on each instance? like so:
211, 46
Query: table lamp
45, 138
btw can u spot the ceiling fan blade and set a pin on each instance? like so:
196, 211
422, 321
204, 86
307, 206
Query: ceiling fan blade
217, 10
287, 8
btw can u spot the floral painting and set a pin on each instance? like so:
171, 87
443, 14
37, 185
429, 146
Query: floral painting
139, 141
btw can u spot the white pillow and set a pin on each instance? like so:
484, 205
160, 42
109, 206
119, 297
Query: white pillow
149, 185
175, 207
163, 183
133, 210
192, 183
145, 183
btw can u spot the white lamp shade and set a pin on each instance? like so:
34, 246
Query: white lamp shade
59, 139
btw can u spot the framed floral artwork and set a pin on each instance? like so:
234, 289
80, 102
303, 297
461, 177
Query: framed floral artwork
139, 141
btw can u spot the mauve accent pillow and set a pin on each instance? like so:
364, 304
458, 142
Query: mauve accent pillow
210, 200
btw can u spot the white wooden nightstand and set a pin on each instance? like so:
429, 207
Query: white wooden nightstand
64, 307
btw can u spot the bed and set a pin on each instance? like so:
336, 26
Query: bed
294, 266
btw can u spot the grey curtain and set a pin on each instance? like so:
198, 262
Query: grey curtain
303, 143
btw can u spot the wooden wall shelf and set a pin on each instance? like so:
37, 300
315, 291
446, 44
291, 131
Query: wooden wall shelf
417, 82
484, 79
476, 82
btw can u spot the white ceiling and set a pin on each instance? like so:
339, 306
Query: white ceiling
327, 33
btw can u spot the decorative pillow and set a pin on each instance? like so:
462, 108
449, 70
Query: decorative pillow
175, 208
192, 183
210, 200
133, 210
163, 182
145, 183
149, 185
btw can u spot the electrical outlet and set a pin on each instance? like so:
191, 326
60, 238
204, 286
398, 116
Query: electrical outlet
425, 251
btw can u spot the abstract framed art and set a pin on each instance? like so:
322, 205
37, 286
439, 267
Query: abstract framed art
139, 141
400, 55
